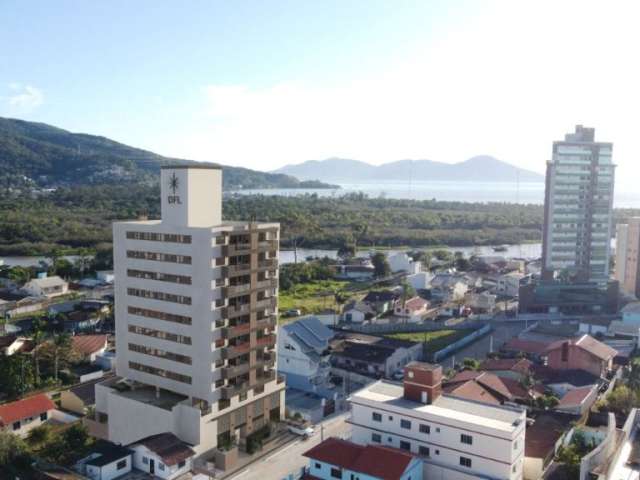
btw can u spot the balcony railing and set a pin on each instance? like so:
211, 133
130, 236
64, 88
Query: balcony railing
240, 269
230, 391
232, 371
232, 312
233, 351
239, 249
268, 283
266, 245
235, 290
266, 303
236, 330
268, 263
269, 376
267, 340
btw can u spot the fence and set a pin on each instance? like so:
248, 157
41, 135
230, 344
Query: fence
455, 346
385, 328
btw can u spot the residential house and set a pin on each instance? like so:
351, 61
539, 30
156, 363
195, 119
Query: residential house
455, 437
413, 309
559, 382
545, 435
77, 321
594, 326
357, 312
372, 356
107, 462
23, 415
12, 344
355, 272
81, 398
508, 284
382, 301
448, 287
583, 353
578, 401
489, 388
420, 280
163, 455
89, 346
514, 368
401, 262
631, 314
483, 302
105, 276
532, 349
303, 354
46, 287
335, 458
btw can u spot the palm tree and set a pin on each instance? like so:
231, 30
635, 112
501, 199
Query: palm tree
61, 347
38, 339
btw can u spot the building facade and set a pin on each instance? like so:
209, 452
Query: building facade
628, 256
455, 437
578, 208
196, 309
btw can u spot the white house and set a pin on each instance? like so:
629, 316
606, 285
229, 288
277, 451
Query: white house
107, 462
509, 284
448, 287
481, 302
303, 354
456, 438
357, 312
631, 314
22, 416
46, 287
413, 309
401, 262
105, 276
419, 280
163, 455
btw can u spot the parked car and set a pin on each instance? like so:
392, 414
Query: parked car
301, 430
294, 312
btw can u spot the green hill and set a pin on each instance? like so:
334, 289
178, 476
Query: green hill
42, 155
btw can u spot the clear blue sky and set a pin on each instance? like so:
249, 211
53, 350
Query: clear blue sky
264, 83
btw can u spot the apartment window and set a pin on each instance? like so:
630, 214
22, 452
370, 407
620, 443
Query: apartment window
336, 473
181, 463
406, 424
468, 439
162, 296
167, 317
405, 446
160, 372
159, 257
318, 466
376, 438
150, 332
158, 276
376, 417
424, 451
44, 416
121, 464
425, 428
145, 460
161, 466
156, 352
16, 425
465, 462
159, 237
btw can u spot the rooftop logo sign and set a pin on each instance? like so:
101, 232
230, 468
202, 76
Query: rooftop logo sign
174, 183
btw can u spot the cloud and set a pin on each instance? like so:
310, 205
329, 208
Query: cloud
24, 97
506, 83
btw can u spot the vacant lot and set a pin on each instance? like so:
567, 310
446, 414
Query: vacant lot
435, 340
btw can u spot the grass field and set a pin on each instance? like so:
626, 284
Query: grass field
435, 340
311, 297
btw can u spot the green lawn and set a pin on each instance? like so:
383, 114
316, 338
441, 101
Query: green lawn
310, 297
435, 340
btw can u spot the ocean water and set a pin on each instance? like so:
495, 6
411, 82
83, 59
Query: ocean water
524, 192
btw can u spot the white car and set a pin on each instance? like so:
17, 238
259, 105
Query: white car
304, 432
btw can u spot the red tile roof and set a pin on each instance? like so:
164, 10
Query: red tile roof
520, 365
25, 408
381, 462
588, 344
575, 397
472, 391
168, 447
486, 387
415, 303
526, 346
88, 344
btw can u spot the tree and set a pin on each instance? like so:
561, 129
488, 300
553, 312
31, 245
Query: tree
11, 447
471, 363
75, 437
40, 435
443, 255
38, 339
58, 352
380, 265
16, 375
622, 400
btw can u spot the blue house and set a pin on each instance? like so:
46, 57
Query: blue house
339, 459
303, 351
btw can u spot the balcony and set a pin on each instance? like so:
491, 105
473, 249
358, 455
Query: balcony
266, 303
233, 351
230, 391
235, 290
236, 330
268, 283
238, 249
233, 371
266, 341
267, 264
269, 376
267, 245
240, 269
232, 312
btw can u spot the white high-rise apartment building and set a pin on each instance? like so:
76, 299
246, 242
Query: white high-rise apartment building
456, 438
578, 207
628, 256
195, 309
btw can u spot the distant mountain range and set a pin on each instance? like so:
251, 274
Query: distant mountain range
477, 169
37, 154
